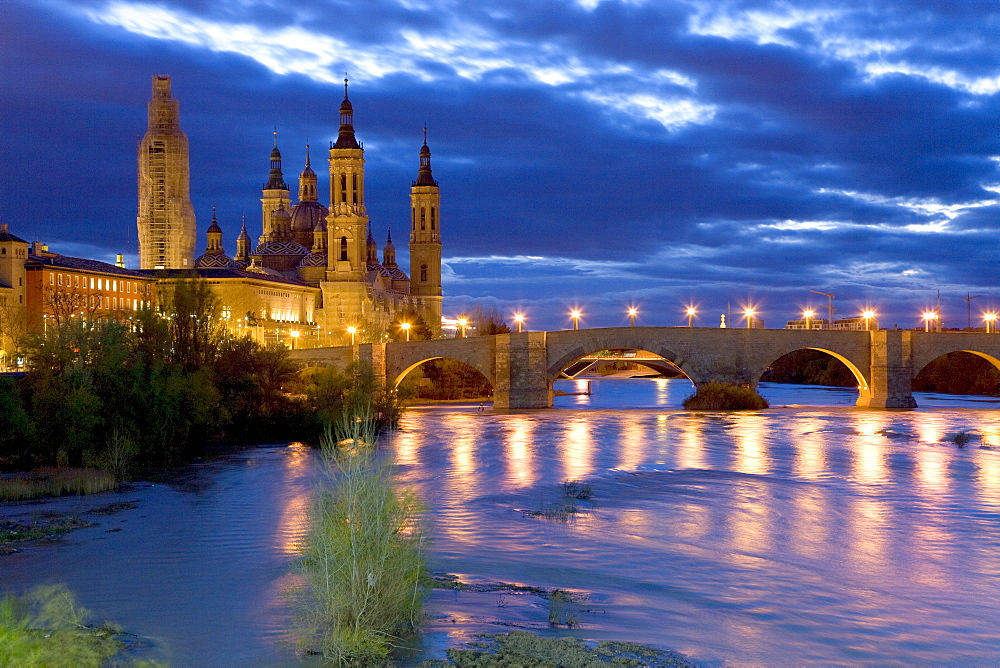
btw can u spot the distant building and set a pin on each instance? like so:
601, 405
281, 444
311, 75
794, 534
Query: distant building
845, 324
13, 292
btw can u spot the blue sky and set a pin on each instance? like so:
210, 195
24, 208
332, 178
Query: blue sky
594, 153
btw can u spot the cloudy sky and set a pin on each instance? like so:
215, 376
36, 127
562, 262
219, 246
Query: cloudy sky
593, 153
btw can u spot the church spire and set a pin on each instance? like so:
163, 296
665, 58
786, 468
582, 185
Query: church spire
307, 182
424, 175
276, 180
346, 138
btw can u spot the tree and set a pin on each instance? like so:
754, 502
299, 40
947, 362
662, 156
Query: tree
487, 319
196, 330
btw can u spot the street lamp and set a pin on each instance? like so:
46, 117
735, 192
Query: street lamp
294, 334
690, 314
406, 328
808, 315
632, 312
928, 316
462, 322
990, 318
352, 330
575, 314
519, 319
749, 313
868, 315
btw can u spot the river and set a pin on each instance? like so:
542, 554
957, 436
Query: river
811, 532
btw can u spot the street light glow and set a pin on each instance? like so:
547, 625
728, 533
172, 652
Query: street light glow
690, 314
632, 312
928, 316
990, 318
352, 330
868, 315
406, 328
519, 319
575, 314
749, 313
462, 322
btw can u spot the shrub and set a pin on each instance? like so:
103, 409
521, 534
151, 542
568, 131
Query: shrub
47, 628
363, 561
725, 397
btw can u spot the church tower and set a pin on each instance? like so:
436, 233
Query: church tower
425, 240
347, 224
274, 196
166, 218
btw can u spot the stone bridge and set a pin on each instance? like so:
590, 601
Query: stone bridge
522, 367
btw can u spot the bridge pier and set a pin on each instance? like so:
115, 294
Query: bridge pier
372, 354
891, 373
521, 379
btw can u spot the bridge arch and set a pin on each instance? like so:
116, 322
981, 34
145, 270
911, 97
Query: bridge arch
400, 376
864, 389
556, 365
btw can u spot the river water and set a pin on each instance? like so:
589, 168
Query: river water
811, 532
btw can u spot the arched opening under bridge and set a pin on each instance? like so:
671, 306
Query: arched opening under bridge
620, 378
443, 379
812, 376
961, 373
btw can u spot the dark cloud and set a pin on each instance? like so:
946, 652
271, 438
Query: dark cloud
662, 151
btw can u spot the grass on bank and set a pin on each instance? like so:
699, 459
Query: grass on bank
55, 482
725, 397
48, 627
363, 560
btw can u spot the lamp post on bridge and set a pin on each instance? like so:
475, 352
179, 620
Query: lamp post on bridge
928, 317
808, 315
749, 313
868, 315
406, 328
352, 330
690, 314
519, 319
632, 312
990, 318
575, 314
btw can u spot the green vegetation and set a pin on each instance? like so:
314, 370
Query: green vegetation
526, 650
724, 397
47, 627
363, 558
105, 393
341, 398
448, 380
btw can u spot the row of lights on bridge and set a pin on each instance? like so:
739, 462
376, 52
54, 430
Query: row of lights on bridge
748, 313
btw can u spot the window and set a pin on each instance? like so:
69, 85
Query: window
354, 189
423, 216
343, 187
423, 273
432, 218
91, 282
76, 281
52, 279
343, 249
60, 279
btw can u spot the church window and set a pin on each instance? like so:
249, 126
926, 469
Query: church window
423, 273
343, 188
354, 189
423, 218
413, 217
432, 218
343, 249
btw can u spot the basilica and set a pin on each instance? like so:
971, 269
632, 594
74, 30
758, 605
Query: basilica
315, 273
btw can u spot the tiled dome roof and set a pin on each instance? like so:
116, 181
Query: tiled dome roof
313, 260
280, 248
214, 261
305, 215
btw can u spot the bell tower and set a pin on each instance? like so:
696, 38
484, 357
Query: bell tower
166, 218
347, 224
425, 239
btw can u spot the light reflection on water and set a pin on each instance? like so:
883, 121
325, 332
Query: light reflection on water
779, 537
788, 536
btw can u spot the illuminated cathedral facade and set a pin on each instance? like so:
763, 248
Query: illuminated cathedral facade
322, 260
